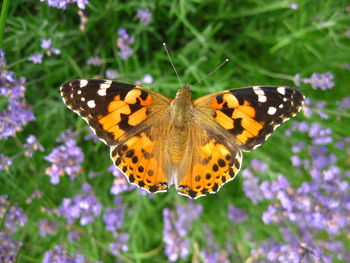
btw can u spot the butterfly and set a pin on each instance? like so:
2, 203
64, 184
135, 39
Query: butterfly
196, 145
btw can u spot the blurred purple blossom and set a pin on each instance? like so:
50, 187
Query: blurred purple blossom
317, 80
236, 215
32, 145
62, 4
35, 195
59, 255
111, 74
12, 215
251, 186
47, 227
258, 165
36, 58
47, 45
293, 6
92, 136
120, 244
64, 159
144, 15
18, 113
82, 206
212, 253
147, 78
8, 248
114, 217
120, 183
94, 61
343, 104
5, 162
123, 43
177, 225
291, 252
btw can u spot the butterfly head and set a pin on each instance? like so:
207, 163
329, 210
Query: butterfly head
184, 92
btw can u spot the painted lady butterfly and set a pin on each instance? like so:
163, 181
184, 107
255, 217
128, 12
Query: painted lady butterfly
196, 145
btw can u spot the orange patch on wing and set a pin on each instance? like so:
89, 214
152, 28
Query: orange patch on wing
113, 117
224, 120
131, 97
116, 131
244, 136
115, 104
137, 117
250, 111
148, 101
231, 100
248, 123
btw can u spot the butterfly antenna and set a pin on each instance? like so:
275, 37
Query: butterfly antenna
172, 64
223, 63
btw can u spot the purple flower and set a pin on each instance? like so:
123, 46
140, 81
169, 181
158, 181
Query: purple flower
64, 159
8, 248
123, 43
32, 145
15, 217
47, 227
59, 255
251, 186
34, 195
111, 74
36, 58
148, 79
212, 252
94, 61
144, 15
5, 162
62, 4
176, 228
343, 104
47, 45
83, 207
321, 81
258, 165
114, 217
18, 113
120, 183
120, 244
236, 215
293, 6
2, 59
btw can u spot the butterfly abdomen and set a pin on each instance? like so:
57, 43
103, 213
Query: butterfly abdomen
181, 115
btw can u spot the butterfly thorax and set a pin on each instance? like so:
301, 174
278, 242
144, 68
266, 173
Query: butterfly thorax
180, 111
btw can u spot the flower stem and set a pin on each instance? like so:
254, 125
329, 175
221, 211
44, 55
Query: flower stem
3, 15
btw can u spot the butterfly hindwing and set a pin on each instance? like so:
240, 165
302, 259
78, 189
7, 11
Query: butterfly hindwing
141, 158
209, 163
252, 114
112, 109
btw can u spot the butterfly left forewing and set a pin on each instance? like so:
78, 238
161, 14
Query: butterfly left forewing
250, 114
112, 109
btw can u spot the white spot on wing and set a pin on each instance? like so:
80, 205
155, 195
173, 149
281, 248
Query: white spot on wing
281, 90
271, 111
284, 99
102, 92
258, 91
105, 85
280, 106
83, 83
79, 92
262, 98
91, 104
82, 99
